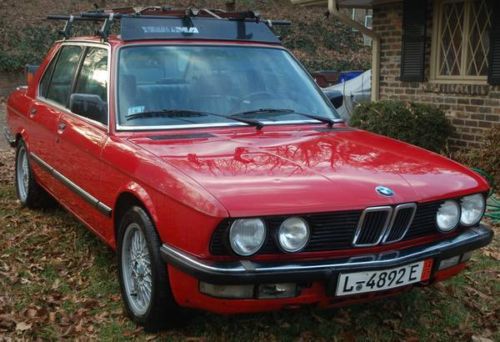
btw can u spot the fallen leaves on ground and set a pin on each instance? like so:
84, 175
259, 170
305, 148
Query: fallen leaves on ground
58, 281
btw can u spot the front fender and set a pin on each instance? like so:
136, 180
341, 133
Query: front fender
142, 195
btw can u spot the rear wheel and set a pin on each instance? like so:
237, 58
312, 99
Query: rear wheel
143, 274
29, 192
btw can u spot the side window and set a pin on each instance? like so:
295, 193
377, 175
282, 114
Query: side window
44, 84
93, 78
92, 86
60, 84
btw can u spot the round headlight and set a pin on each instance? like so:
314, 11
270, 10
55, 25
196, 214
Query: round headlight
448, 216
247, 236
472, 209
293, 234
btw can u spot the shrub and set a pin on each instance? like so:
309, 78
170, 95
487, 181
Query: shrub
487, 157
418, 124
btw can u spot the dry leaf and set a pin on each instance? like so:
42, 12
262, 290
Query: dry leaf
480, 339
23, 326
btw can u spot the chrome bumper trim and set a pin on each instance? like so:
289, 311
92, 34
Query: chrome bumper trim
246, 271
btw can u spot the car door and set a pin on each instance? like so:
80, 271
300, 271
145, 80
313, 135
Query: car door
45, 112
81, 135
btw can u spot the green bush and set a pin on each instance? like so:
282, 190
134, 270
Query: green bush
486, 157
418, 124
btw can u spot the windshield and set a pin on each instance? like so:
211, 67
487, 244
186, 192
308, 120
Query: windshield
215, 85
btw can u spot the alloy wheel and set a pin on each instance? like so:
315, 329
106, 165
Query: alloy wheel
136, 266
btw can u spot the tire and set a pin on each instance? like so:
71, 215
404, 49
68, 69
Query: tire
138, 246
28, 191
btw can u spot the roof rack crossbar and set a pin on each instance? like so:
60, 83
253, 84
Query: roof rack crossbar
160, 12
75, 18
102, 15
66, 31
106, 26
70, 19
272, 23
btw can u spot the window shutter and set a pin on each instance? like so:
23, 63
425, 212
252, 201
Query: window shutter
494, 57
414, 37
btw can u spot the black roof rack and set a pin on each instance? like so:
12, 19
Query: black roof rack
187, 23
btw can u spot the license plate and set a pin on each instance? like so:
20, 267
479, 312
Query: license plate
371, 281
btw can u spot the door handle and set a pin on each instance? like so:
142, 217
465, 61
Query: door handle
61, 127
33, 112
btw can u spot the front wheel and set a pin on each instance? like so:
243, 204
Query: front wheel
29, 192
143, 274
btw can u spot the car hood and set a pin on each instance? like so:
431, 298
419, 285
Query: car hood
288, 170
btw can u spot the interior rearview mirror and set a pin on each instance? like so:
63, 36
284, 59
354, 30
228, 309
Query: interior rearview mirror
90, 106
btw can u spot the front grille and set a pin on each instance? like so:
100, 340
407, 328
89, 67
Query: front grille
401, 221
424, 222
372, 226
329, 231
335, 231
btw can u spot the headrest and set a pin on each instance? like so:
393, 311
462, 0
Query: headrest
128, 85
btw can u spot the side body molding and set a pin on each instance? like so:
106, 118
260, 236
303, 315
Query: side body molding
104, 209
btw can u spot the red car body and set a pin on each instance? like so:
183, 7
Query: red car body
191, 180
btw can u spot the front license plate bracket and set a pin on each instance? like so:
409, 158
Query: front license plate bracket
356, 283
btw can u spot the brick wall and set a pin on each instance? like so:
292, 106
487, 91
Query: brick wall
473, 109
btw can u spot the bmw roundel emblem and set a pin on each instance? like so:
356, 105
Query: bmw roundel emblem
384, 191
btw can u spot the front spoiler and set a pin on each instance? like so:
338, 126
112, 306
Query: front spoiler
251, 272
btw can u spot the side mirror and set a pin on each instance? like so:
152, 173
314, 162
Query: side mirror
29, 72
335, 97
90, 106
337, 101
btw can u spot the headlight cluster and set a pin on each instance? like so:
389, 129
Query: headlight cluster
468, 212
247, 236
293, 234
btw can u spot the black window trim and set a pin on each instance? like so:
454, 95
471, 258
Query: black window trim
84, 45
75, 80
83, 55
52, 62
414, 36
494, 53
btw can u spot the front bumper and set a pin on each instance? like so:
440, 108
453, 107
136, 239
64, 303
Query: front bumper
251, 272
8, 136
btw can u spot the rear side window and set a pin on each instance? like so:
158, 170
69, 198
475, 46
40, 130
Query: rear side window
59, 87
44, 84
93, 78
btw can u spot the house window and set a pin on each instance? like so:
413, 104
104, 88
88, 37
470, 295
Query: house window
461, 40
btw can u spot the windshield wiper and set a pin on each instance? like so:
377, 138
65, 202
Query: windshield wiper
164, 113
278, 112
185, 113
323, 119
262, 110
